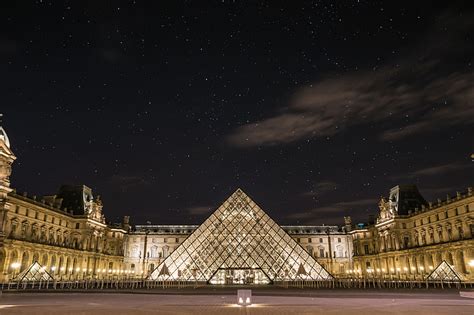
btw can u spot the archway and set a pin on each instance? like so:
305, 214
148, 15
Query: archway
24, 261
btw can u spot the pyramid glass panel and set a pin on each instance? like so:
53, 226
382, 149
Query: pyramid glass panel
444, 272
35, 272
239, 244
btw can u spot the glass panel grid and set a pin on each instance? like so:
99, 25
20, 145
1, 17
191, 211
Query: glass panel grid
239, 242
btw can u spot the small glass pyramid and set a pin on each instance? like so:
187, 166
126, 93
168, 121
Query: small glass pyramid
444, 272
35, 272
239, 244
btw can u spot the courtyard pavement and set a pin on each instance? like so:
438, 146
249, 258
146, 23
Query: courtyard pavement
222, 301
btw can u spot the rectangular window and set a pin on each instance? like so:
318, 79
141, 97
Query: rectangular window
366, 249
309, 240
321, 252
78, 225
339, 240
177, 240
298, 240
320, 240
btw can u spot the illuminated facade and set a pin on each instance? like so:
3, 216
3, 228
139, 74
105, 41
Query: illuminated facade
65, 233
411, 237
239, 244
331, 246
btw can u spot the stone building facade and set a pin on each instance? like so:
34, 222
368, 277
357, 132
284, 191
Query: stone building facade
66, 233
148, 245
410, 236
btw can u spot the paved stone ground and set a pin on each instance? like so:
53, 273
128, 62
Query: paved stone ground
221, 302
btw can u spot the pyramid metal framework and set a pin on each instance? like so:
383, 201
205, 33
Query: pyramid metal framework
35, 272
444, 272
239, 238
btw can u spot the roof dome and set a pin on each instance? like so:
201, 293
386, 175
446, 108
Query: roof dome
4, 137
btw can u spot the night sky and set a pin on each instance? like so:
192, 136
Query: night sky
315, 109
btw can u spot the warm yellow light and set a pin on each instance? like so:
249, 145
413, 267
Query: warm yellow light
15, 265
422, 268
431, 267
78, 269
53, 268
405, 268
471, 263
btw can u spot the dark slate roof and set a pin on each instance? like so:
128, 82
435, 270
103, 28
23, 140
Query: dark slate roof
407, 198
75, 197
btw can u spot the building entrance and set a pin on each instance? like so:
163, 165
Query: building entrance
239, 276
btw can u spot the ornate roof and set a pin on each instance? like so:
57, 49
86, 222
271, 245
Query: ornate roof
4, 137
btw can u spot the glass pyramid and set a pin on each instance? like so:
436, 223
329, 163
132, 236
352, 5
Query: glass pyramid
444, 272
239, 244
35, 272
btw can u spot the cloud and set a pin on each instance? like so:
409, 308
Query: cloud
321, 188
433, 170
436, 170
418, 93
335, 208
437, 191
125, 182
199, 210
